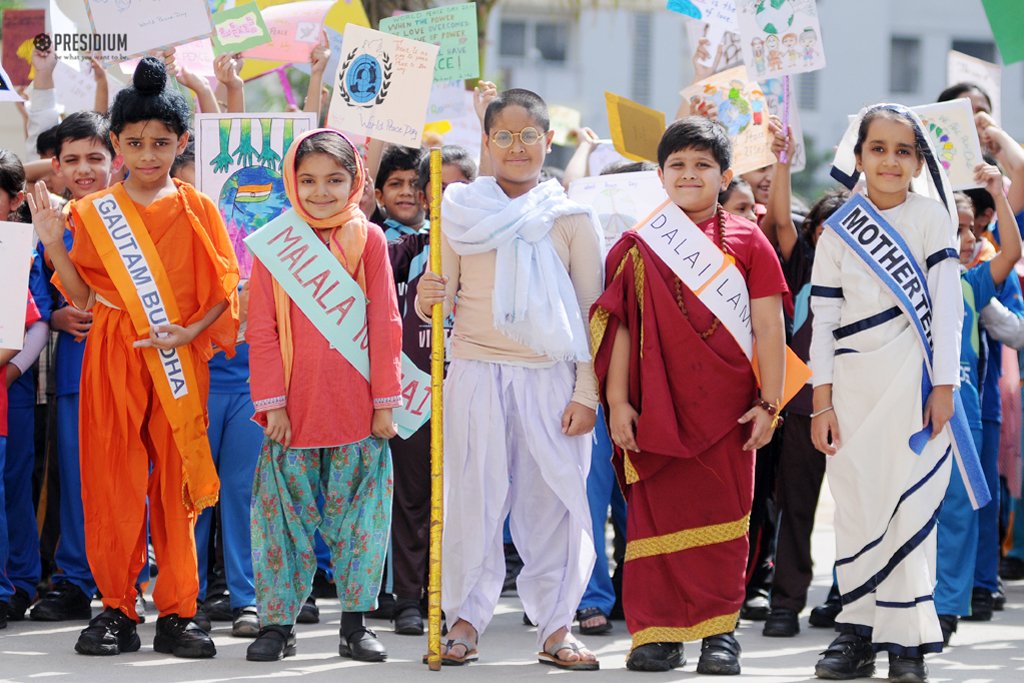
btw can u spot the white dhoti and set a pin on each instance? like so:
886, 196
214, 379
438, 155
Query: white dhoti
505, 453
887, 497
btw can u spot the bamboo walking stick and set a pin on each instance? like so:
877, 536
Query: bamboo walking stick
436, 426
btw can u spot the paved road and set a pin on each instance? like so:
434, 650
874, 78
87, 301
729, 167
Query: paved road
30, 651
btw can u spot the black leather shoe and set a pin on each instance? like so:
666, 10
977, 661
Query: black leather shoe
948, 624
274, 642
981, 605
65, 602
907, 669
362, 645
246, 623
999, 597
824, 615
18, 605
781, 623
408, 620
218, 608
309, 613
755, 608
849, 656
110, 633
656, 657
1011, 569
181, 637
202, 619
719, 655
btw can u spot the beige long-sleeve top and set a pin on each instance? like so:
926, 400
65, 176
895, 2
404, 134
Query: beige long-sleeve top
471, 283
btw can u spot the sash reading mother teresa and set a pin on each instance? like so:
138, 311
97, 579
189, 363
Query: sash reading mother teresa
319, 285
713, 277
133, 264
883, 251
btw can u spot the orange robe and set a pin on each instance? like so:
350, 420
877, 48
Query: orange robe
128, 450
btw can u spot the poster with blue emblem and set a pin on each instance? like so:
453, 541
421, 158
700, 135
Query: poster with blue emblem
238, 165
382, 86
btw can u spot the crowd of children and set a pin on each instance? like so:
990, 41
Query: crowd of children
211, 419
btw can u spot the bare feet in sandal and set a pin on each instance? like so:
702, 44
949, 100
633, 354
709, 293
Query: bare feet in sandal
564, 650
459, 634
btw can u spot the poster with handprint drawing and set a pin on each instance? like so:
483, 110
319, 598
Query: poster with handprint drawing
779, 37
743, 110
238, 164
955, 138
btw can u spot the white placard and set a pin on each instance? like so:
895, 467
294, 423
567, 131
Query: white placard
151, 24
961, 68
15, 263
620, 200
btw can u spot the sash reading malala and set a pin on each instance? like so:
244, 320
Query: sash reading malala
133, 264
323, 290
882, 249
713, 277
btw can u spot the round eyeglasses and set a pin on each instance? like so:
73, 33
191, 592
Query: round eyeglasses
505, 138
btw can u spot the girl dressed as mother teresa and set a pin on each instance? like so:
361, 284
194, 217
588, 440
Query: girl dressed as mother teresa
885, 352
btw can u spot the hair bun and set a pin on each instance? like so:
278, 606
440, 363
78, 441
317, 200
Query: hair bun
150, 76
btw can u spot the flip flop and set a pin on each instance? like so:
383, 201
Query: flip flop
550, 657
450, 660
592, 613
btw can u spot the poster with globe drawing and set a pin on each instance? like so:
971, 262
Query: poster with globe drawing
742, 109
238, 164
779, 37
620, 200
955, 138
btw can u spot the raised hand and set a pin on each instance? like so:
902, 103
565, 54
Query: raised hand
483, 93
46, 219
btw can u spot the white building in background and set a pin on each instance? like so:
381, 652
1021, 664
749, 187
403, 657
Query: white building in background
877, 50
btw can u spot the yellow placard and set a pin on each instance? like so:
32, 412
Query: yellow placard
636, 129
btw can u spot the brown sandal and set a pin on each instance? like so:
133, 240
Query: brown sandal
550, 657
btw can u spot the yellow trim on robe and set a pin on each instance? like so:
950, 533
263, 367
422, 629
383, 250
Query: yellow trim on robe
666, 634
685, 539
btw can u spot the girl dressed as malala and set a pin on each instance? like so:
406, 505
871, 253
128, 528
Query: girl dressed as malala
326, 425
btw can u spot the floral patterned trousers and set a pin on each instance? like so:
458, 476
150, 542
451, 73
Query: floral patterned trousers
356, 483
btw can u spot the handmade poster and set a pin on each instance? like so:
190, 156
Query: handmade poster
151, 24
75, 86
1007, 22
620, 200
724, 49
341, 13
196, 57
721, 14
7, 91
452, 28
238, 164
772, 89
238, 29
294, 30
602, 156
451, 104
335, 304
636, 129
779, 37
20, 27
15, 262
743, 110
951, 127
564, 121
382, 86
961, 68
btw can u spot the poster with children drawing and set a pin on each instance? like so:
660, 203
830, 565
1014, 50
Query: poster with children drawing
743, 110
724, 49
779, 37
382, 86
150, 24
238, 164
955, 137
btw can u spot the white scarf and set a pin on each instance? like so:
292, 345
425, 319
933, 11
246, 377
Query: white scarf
932, 182
534, 301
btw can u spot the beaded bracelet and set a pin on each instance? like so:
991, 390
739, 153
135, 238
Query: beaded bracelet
773, 409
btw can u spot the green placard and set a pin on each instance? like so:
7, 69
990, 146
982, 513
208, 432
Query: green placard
452, 29
1006, 17
238, 29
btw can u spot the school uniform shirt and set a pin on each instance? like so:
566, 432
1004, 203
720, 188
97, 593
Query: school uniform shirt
979, 289
1010, 296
